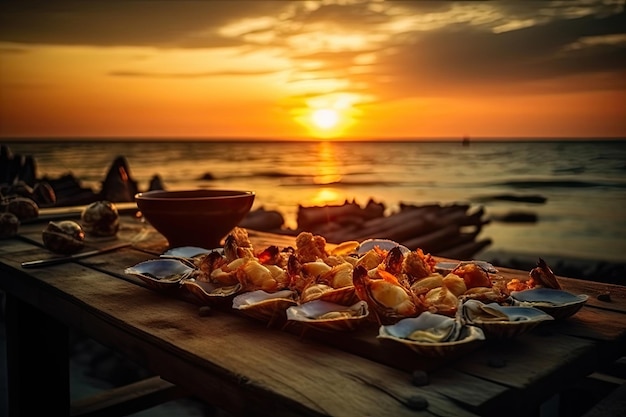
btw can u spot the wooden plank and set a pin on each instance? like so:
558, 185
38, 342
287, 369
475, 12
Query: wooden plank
281, 375
129, 399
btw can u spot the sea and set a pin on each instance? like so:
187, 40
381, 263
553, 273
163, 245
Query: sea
575, 189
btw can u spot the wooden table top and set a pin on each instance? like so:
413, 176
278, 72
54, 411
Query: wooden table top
246, 367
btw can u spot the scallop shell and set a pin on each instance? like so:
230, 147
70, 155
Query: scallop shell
385, 244
161, 274
559, 304
327, 316
263, 305
438, 336
502, 322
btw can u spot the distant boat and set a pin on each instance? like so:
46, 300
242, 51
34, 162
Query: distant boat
466, 141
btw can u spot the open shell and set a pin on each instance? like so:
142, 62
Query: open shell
447, 267
502, 322
161, 274
559, 304
326, 316
433, 335
209, 292
385, 244
263, 305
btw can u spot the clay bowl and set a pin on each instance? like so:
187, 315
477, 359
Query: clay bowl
195, 217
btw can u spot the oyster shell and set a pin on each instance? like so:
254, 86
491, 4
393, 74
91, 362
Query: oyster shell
502, 322
188, 252
327, 316
433, 335
265, 306
161, 274
209, 292
65, 237
559, 304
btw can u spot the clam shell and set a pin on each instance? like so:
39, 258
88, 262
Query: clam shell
502, 322
559, 304
263, 305
209, 292
385, 244
451, 337
161, 274
316, 314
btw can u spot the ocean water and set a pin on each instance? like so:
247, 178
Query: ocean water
583, 182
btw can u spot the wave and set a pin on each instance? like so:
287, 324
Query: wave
549, 183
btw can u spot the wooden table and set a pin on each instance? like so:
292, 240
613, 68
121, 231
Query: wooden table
248, 368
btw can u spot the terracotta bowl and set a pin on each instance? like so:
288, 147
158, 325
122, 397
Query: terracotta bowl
195, 217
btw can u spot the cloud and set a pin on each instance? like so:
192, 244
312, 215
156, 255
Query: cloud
398, 49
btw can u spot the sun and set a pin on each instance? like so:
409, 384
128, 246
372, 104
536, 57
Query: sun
325, 118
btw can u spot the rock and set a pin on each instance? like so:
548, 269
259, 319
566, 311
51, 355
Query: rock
118, 185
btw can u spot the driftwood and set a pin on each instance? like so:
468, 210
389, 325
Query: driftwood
444, 230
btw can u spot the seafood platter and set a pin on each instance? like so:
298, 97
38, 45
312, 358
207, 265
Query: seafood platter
406, 298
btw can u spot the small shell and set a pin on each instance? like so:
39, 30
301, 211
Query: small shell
502, 322
161, 274
263, 305
326, 316
65, 237
437, 335
384, 244
559, 304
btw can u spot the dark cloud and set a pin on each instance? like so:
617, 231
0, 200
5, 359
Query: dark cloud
461, 53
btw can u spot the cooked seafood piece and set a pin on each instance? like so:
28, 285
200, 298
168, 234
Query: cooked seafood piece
473, 275
387, 299
309, 248
543, 276
418, 265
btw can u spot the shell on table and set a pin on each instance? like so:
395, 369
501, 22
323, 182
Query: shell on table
209, 292
161, 274
263, 305
384, 244
327, 316
559, 304
502, 321
433, 335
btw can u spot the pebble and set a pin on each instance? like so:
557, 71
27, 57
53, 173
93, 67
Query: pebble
204, 311
605, 296
419, 378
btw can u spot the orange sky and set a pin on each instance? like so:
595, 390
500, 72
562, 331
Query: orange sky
261, 69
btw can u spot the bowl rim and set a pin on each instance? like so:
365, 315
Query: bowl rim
179, 195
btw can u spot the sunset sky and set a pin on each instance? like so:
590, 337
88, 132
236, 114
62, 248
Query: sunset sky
313, 69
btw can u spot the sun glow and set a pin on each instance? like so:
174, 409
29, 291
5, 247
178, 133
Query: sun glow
325, 118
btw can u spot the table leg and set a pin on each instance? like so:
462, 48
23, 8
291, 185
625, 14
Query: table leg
37, 361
